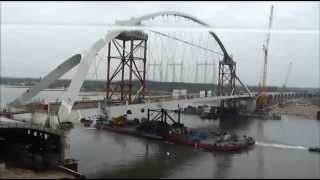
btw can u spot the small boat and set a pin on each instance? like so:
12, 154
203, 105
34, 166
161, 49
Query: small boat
314, 149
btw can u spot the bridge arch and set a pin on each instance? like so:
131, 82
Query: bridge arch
139, 20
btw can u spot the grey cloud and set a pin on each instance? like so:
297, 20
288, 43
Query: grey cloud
41, 48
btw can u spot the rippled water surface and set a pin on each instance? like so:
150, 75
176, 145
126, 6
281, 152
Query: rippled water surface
281, 151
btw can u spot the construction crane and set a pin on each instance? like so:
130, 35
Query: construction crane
285, 83
287, 77
262, 97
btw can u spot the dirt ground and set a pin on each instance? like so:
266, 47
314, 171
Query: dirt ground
307, 108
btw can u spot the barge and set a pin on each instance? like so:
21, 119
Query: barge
157, 127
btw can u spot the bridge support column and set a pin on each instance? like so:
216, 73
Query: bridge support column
65, 147
2, 166
66, 159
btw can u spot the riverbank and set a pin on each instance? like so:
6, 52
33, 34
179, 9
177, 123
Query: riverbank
307, 108
19, 173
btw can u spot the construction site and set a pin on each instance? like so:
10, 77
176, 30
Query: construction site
143, 98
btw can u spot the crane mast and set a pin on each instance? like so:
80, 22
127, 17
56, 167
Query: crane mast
262, 99
285, 84
265, 50
287, 77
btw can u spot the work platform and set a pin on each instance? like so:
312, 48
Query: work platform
132, 35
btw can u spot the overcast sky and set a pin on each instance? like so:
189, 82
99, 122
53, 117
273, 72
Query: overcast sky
34, 50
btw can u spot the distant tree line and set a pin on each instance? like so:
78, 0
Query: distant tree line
152, 86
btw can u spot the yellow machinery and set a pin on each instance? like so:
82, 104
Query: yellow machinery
118, 120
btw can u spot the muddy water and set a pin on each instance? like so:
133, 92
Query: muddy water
280, 152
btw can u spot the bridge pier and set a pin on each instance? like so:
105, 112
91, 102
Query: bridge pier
65, 147
65, 155
228, 107
2, 166
235, 107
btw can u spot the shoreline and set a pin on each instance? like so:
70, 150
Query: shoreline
305, 108
23, 173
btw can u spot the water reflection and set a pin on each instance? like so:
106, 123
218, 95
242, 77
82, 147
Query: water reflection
223, 164
16, 155
164, 159
260, 167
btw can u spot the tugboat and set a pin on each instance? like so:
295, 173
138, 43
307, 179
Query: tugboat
155, 126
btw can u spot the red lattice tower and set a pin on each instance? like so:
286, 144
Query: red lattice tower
227, 78
130, 63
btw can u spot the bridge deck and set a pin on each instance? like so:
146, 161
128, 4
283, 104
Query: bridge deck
15, 124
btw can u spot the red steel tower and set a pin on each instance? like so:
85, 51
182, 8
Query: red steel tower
129, 53
227, 78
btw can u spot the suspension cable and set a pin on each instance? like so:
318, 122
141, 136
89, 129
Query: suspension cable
186, 42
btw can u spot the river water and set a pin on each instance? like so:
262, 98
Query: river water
280, 152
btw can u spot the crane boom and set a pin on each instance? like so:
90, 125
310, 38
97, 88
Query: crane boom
285, 84
265, 50
287, 76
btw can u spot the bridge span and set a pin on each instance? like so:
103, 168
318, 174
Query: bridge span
273, 98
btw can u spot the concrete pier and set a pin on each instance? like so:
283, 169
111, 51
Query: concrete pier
2, 167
